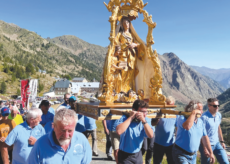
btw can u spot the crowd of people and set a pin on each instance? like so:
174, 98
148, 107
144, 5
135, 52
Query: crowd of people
47, 136
178, 138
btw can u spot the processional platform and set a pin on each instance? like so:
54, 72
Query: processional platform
114, 111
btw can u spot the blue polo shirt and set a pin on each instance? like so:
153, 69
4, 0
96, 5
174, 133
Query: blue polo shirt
108, 124
80, 127
48, 127
46, 151
165, 131
51, 110
90, 123
19, 138
131, 140
66, 105
47, 118
113, 125
189, 140
212, 124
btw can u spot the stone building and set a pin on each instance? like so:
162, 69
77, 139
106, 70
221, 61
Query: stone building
90, 87
76, 89
62, 86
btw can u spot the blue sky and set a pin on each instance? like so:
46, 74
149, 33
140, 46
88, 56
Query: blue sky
197, 31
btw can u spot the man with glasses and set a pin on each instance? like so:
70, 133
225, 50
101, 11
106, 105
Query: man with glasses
212, 120
66, 101
132, 130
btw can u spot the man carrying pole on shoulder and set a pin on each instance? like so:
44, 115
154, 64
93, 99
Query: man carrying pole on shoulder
164, 138
189, 133
132, 131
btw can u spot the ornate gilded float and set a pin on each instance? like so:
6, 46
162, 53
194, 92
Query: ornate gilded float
131, 69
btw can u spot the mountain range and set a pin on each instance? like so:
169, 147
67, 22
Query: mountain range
71, 55
23, 46
222, 75
184, 83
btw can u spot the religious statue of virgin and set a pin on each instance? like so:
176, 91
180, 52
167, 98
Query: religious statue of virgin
129, 63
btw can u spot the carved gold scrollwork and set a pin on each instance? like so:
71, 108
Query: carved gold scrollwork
150, 111
96, 112
127, 111
157, 80
105, 112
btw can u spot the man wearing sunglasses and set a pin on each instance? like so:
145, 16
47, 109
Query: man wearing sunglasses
212, 119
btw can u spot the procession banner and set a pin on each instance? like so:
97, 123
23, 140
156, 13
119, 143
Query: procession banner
33, 90
24, 90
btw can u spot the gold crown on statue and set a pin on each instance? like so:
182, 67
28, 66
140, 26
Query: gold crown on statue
127, 7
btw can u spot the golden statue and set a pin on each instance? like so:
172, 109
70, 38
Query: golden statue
130, 64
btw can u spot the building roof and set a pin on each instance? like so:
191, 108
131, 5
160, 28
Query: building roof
62, 84
79, 78
86, 85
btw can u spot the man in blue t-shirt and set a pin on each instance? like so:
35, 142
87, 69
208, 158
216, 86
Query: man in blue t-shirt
51, 110
212, 120
115, 139
23, 137
63, 144
148, 145
80, 127
107, 129
47, 116
189, 133
164, 138
90, 126
66, 101
132, 130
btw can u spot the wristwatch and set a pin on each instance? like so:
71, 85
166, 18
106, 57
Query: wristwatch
144, 122
222, 142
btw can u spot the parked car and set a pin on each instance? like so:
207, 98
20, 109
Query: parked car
51, 102
93, 99
57, 102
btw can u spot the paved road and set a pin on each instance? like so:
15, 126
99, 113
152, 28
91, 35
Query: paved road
101, 159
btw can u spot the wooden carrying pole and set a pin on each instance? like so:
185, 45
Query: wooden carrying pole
159, 113
186, 114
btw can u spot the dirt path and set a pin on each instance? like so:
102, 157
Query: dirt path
101, 159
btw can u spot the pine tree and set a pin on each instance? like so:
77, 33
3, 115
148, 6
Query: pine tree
13, 78
18, 92
30, 68
3, 87
40, 87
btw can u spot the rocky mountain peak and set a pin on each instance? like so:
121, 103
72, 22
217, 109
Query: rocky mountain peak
182, 82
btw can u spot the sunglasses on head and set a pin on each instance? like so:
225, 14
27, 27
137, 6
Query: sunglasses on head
215, 106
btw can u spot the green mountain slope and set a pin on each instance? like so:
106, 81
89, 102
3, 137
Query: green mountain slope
92, 53
25, 47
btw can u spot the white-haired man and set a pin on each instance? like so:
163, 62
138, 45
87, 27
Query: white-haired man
189, 133
63, 144
23, 137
